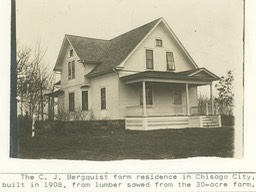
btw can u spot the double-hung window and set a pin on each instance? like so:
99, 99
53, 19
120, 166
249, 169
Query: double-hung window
103, 98
84, 100
71, 99
71, 70
170, 61
149, 59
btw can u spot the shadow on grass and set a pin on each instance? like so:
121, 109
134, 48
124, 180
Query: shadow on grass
158, 144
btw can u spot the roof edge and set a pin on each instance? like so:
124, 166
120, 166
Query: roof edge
129, 55
56, 67
86, 37
180, 44
91, 74
205, 70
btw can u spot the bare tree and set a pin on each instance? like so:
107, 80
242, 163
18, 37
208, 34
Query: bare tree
22, 59
32, 81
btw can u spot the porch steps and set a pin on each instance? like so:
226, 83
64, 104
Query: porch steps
209, 122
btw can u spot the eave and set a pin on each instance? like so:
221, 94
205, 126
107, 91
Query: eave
167, 77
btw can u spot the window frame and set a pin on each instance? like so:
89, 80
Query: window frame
71, 102
149, 59
71, 70
103, 98
159, 43
85, 103
71, 53
170, 66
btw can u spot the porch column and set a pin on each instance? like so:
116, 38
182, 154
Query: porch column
49, 107
144, 98
52, 103
187, 97
212, 111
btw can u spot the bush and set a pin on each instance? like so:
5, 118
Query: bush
24, 129
97, 127
227, 120
77, 115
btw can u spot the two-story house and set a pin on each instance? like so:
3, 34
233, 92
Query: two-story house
144, 76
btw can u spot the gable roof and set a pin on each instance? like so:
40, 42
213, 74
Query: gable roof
108, 54
121, 46
200, 72
88, 49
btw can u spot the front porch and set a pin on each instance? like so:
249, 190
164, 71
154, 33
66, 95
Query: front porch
172, 122
168, 100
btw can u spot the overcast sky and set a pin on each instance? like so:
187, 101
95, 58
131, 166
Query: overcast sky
210, 30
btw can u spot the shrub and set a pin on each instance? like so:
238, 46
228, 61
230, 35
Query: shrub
227, 120
77, 115
97, 127
24, 129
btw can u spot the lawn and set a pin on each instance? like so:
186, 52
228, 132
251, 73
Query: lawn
159, 144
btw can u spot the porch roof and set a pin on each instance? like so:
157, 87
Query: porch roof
195, 76
54, 93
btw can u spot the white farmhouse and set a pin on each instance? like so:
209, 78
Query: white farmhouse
145, 77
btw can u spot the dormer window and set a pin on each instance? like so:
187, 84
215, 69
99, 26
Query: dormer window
71, 52
159, 43
170, 61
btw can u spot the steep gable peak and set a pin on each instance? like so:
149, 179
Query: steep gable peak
122, 46
141, 27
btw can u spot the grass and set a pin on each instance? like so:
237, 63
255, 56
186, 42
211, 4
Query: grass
159, 144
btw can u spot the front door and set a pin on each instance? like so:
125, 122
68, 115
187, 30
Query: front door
177, 101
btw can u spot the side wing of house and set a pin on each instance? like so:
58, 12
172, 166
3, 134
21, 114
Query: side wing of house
75, 87
72, 78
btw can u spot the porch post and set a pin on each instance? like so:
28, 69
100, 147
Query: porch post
144, 98
52, 103
49, 107
212, 111
187, 97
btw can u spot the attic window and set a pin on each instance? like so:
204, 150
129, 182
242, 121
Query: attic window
159, 43
71, 53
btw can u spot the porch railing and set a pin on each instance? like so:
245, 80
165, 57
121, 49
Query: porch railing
165, 110
203, 110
